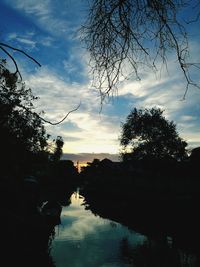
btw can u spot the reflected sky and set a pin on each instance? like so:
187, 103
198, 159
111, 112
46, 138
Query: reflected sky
86, 240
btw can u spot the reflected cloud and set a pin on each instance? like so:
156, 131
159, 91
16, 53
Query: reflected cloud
86, 240
77, 223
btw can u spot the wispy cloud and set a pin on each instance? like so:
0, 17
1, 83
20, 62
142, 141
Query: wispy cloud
41, 8
60, 18
99, 132
64, 80
186, 118
24, 39
166, 92
85, 130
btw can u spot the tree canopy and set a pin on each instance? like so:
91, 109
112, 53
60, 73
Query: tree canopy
22, 132
57, 153
124, 36
148, 133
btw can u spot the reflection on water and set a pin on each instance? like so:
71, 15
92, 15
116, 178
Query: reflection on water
86, 240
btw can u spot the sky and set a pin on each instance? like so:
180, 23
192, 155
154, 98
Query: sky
48, 31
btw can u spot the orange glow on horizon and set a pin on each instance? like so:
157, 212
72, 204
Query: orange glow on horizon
80, 164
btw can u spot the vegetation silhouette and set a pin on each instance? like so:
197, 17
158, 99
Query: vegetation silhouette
31, 174
154, 189
147, 133
155, 253
156, 181
157, 202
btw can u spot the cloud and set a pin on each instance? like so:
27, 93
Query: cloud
166, 92
85, 130
83, 236
59, 18
24, 40
186, 118
46, 41
41, 8
66, 81
69, 66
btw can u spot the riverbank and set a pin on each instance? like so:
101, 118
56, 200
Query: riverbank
177, 218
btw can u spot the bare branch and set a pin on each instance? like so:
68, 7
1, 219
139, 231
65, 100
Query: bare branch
65, 117
3, 47
49, 122
132, 34
21, 51
28, 109
181, 57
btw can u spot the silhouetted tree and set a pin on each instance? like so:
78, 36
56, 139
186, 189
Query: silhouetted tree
94, 164
123, 36
147, 133
58, 149
22, 133
195, 155
5, 48
194, 160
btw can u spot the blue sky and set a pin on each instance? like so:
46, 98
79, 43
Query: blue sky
47, 30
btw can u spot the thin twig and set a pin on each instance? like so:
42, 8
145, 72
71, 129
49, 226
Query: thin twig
65, 117
21, 51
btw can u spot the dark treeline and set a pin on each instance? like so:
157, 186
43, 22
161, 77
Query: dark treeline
154, 197
33, 180
26, 148
31, 210
155, 188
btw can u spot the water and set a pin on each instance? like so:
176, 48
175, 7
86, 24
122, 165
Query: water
86, 240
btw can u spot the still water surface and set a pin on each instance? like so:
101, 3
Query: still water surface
86, 240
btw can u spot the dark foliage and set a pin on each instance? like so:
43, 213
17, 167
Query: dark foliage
150, 135
22, 133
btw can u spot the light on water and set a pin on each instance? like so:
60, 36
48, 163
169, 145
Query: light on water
86, 240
